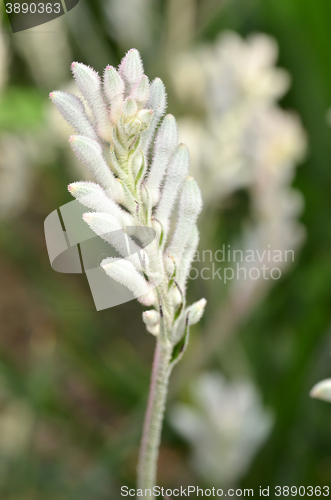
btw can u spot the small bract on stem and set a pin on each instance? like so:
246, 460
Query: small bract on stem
141, 173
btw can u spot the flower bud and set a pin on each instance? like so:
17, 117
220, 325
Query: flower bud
92, 196
89, 83
89, 152
151, 319
190, 206
129, 109
158, 103
114, 89
112, 83
109, 228
165, 143
196, 311
73, 111
125, 273
131, 67
141, 91
176, 174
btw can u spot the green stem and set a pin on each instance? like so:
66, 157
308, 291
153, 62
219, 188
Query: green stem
149, 450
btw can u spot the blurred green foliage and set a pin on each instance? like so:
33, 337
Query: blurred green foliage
21, 109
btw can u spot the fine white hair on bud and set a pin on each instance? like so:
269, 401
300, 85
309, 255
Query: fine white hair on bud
165, 143
130, 108
187, 257
103, 224
141, 91
175, 176
109, 228
195, 311
126, 274
112, 83
92, 196
131, 67
73, 111
89, 83
89, 152
158, 103
190, 206
151, 318
114, 88
322, 390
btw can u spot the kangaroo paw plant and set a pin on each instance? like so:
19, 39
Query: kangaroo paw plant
131, 148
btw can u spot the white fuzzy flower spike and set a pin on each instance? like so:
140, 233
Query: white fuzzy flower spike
141, 172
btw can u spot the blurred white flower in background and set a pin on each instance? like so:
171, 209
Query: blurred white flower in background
130, 21
239, 138
322, 390
16, 176
16, 422
21, 152
236, 86
42, 44
225, 425
16, 426
272, 144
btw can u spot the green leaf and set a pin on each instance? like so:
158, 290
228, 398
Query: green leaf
181, 346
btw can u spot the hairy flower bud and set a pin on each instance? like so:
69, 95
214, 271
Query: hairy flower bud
131, 67
195, 311
92, 196
176, 174
89, 152
89, 83
151, 319
141, 91
72, 109
190, 206
125, 273
165, 144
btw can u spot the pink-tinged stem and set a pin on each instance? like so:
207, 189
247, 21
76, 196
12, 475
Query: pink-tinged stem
149, 449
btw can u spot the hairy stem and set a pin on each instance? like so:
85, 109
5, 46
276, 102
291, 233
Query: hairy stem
149, 450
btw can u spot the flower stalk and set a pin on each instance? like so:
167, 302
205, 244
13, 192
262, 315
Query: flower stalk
141, 173
149, 449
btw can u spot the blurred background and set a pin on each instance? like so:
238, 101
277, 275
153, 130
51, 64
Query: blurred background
250, 84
